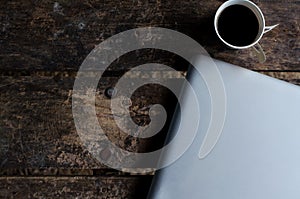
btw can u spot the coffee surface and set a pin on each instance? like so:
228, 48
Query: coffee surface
238, 25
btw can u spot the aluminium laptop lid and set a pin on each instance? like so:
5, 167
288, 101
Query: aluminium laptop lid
257, 154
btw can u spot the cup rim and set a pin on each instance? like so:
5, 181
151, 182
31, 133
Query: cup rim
249, 5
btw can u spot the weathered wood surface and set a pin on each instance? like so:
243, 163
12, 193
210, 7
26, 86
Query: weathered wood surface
74, 187
57, 35
37, 128
42, 45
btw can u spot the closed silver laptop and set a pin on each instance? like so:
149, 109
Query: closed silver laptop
257, 152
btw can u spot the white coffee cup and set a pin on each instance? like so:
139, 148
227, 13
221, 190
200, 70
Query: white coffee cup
261, 22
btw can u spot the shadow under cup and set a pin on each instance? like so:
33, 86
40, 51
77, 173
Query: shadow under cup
239, 24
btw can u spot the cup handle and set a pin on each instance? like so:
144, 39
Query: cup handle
259, 53
268, 28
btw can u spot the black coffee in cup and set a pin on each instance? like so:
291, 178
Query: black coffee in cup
238, 25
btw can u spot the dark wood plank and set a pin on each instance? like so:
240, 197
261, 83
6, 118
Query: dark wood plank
57, 36
74, 187
37, 129
43, 43
36, 120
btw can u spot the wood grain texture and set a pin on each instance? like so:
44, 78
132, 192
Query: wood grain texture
37, 128
42, 45
58, 35
74, 187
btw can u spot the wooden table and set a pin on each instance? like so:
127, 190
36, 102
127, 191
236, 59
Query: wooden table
42, 45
